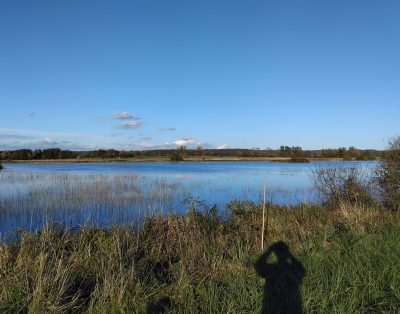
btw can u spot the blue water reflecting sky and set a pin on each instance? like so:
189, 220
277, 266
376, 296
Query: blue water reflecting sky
109, 193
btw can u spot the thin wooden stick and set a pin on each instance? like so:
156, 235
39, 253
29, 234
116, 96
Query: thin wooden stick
263, 216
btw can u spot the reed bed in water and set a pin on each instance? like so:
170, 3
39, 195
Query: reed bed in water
201, 262
30, 200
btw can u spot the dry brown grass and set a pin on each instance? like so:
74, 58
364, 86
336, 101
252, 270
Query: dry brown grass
358, 218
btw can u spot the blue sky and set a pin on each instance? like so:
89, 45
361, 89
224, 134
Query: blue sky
151, 74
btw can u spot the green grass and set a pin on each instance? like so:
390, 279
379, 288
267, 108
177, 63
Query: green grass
204, 263
356, 273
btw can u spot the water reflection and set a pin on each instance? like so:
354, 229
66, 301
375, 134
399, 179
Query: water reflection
110, 193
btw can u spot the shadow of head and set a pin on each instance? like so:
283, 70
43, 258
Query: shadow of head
283, 277
160, 306
281, 250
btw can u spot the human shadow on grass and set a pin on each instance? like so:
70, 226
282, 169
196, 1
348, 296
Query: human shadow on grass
282, 280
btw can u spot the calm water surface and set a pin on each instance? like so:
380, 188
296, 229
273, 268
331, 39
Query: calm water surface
109, 193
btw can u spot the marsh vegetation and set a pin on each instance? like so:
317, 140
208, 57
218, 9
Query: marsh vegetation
33, 195
204, 263
336, 255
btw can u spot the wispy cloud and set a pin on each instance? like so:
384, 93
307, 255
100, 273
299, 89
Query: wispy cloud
11, 139
124, 116
167, 129
11, 136
129, 125
114, 134
223, 146
148, 145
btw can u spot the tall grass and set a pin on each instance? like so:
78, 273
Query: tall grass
203, 262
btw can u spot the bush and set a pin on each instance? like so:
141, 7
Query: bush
388, 175
338, 185
299, 160
176, 156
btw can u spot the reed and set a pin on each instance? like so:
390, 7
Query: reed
29, 200
263, 215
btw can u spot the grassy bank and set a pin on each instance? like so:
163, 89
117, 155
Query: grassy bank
205, 263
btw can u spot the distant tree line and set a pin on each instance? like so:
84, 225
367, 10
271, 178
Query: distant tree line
27, 154
341, 152
284, 151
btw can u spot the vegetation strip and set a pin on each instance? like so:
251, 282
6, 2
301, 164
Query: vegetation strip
205, 263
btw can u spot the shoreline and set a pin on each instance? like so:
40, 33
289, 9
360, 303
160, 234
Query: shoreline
166, 159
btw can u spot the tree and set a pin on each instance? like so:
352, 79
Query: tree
200, 151
178, 155
285, 151
297, 152
388, 175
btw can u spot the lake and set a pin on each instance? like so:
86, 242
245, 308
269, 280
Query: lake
32, 195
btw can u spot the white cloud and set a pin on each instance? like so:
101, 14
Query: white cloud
124, 115
48, 141
223, 146
185, 141
167, 129
129, 125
